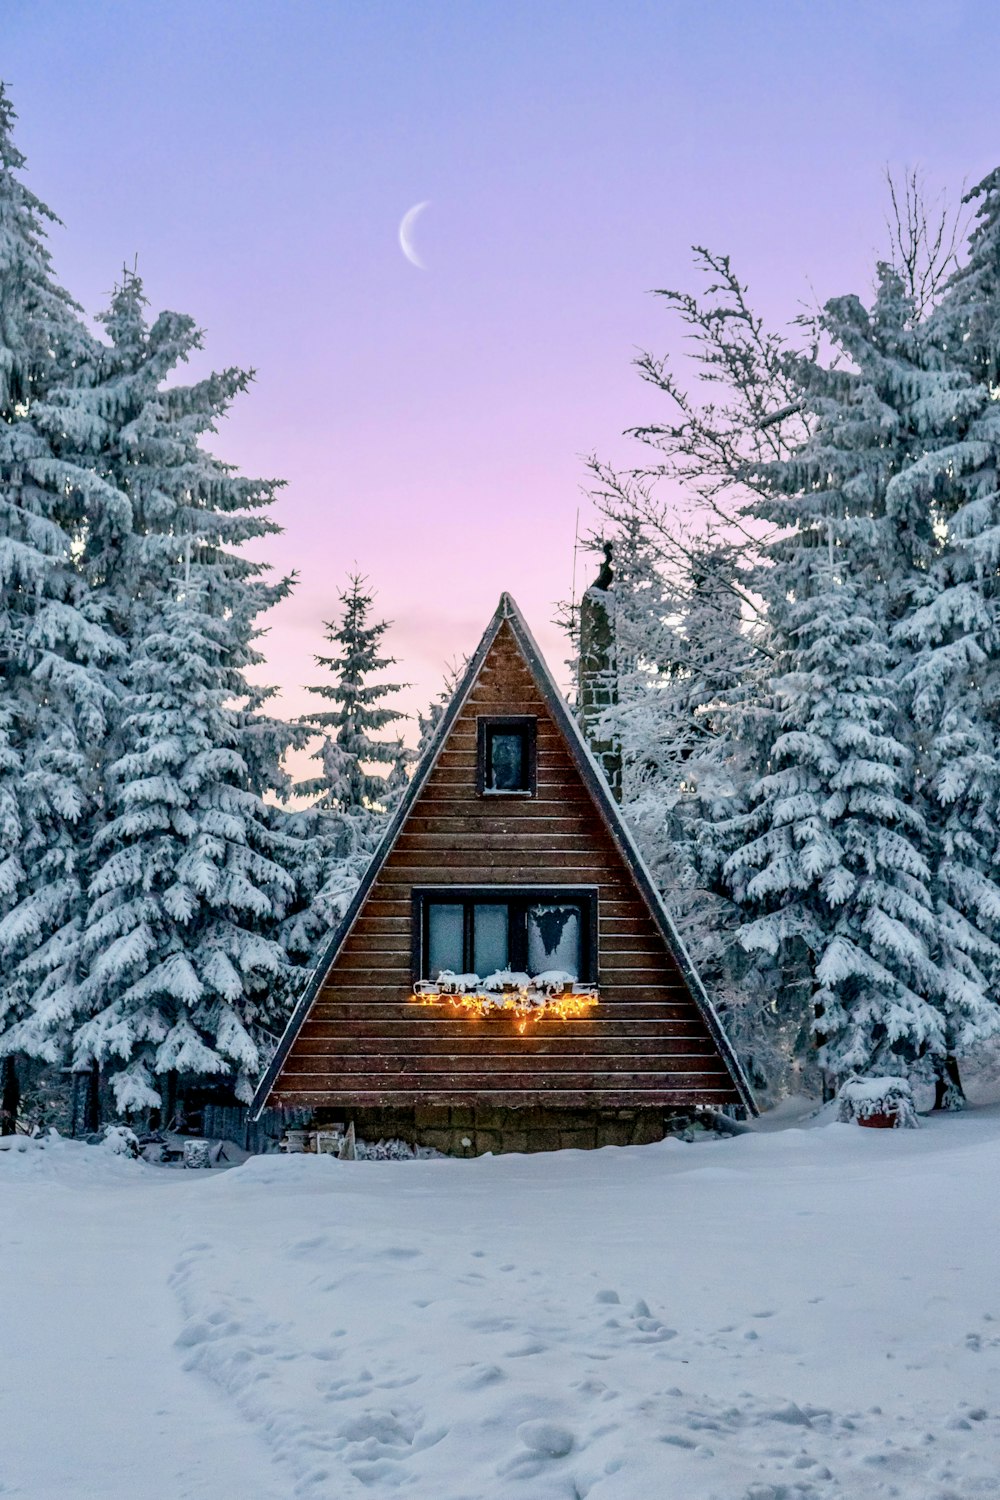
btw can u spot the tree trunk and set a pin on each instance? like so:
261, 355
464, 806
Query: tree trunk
173, 1103
948, 1090
10, 1096
90, 1100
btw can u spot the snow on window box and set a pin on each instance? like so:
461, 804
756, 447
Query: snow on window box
879, 1102
528, 998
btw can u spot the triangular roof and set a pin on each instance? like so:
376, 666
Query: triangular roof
592, 776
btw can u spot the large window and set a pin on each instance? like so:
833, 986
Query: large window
528, 930
506, 757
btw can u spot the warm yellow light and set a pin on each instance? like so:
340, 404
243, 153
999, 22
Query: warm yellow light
526, 1006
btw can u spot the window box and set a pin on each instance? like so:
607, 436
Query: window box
527, 952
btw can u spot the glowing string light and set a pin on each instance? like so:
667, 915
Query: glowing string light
526, 1005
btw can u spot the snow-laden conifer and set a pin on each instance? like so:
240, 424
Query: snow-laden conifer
831, 854
171, 560
837, 851
347, 749
950, 634
53, 649
185, 889
428, 721
336, 835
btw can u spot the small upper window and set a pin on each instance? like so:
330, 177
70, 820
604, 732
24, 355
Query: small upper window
506, 760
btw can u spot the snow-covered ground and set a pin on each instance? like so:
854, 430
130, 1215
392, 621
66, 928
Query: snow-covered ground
795, 1313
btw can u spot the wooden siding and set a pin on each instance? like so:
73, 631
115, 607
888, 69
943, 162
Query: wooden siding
364, 1041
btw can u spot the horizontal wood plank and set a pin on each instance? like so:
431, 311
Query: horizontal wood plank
657, 1094
446, 1080
446, 1032
492, 1053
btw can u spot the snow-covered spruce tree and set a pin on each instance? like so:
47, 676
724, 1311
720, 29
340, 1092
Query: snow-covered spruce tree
831, 854
331, 846
172, 562
836, 851
339, 831
687, 668
745, 409
682, 655
686, 737
428, 722
950, 635
345, 786
53, 651
185, 888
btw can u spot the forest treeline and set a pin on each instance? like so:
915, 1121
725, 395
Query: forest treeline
160, 890
807, 611
808, 607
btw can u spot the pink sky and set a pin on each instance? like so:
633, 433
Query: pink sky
258, 158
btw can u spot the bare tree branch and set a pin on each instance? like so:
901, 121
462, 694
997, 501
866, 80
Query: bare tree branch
924, 235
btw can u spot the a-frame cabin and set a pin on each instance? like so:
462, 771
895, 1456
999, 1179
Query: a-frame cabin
507, 977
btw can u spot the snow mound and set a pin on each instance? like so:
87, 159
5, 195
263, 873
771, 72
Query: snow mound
53, 1158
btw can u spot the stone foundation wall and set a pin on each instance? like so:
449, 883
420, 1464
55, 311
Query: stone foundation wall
472, 1131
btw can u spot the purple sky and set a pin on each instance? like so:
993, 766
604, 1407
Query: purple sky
258, 157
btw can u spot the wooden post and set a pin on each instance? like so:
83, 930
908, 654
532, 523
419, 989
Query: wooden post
90, 1097
10, 1097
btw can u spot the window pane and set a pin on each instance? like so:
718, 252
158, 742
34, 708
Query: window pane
490, 940
507, 761
444, 938
554, 933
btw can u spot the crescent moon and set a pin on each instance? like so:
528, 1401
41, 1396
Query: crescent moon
406, 234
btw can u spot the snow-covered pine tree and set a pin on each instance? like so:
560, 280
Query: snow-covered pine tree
339, 831
172, 883
688, 665
966, 319
836, 852
683, 654
398, 776
345, 786
686, 739
831, 854
428, 722
951, 631
185, 888
53, 651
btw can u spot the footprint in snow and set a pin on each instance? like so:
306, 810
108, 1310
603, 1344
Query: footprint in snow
348, 1389
303, 1247
377, 1444
490, 1324
205, 1330
481, 1376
